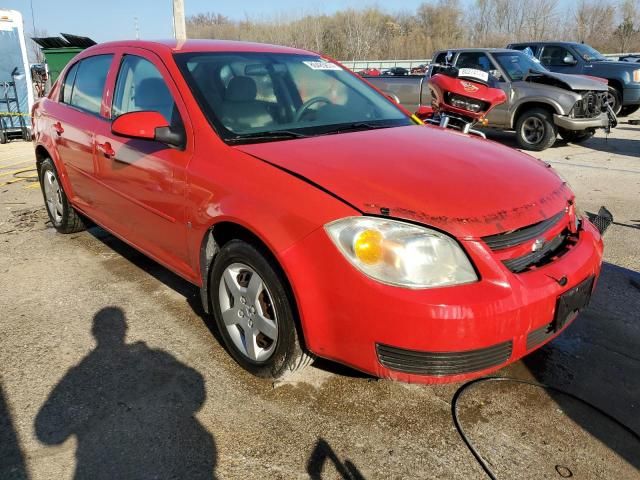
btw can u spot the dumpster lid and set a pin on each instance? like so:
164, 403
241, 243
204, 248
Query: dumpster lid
67, 40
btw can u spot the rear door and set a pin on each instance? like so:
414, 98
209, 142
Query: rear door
75, 118
143, 181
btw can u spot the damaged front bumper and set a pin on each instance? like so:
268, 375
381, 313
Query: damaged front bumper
601, 121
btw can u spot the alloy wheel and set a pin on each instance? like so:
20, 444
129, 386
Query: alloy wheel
53, 196
248, 312
533, 130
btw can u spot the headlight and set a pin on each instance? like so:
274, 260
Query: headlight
636, 75
402, 254
465, 103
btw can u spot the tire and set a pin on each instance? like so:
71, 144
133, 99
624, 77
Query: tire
628, 110
3, 138
615, 99
63, 216
535, 130
577, 136
231, 290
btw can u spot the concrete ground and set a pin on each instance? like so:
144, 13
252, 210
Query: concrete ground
166, 401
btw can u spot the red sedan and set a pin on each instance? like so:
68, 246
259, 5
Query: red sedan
314, 214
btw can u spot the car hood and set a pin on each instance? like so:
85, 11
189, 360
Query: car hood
465, 185
568, 81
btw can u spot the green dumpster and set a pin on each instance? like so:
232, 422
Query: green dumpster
57, 59
58, 51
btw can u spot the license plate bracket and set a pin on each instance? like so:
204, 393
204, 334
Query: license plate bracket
571, 302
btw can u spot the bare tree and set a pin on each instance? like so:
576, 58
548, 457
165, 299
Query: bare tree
628, 30
370, 33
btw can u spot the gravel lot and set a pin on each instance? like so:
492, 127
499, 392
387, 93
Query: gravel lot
158, 397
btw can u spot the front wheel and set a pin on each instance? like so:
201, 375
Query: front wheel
614, 99
577, 136
62, 215
255, 312
535, 130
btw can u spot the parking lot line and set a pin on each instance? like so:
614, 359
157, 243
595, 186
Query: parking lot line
23, 162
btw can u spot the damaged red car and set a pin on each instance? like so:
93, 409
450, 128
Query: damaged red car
316, 217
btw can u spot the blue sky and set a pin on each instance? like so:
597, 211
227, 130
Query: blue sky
105, 20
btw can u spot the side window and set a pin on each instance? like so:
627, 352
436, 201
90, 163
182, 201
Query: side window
67, 86
89, 84
554, 55
440, 58
140, 86
477, 60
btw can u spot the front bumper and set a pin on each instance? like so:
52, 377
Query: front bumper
352, 319
601, 121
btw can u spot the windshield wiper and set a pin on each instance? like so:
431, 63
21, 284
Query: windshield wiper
266, 136
357, 126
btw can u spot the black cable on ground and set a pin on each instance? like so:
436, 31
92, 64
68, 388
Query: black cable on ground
466, 386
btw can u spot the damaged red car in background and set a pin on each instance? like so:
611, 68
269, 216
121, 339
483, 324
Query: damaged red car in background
315, 215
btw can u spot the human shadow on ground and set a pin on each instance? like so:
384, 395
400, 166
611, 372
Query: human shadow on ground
131, 409
12, 465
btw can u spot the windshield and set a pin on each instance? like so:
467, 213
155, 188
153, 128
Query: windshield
251, 97
517, 64
588, 53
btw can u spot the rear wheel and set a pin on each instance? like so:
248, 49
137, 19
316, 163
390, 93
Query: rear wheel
577, 136
62, 215
628, 110
614, 98
535, 129
255, 312
3, 138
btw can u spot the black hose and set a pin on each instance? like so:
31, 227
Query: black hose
472, 449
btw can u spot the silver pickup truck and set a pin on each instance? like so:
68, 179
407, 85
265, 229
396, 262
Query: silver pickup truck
540, 104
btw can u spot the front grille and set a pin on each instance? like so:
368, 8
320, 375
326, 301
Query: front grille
560, 243
516, 237
443, 363
549, 251
591, 105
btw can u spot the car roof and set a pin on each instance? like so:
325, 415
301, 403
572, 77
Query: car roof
544, 43
493, 50
200, 45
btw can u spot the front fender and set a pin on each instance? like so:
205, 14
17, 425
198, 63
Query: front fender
561, 101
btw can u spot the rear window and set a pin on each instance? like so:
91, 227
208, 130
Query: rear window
67, 86
90, 77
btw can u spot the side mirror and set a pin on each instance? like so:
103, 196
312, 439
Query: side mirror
569, 60
147, 125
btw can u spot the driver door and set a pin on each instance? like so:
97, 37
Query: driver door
144, 180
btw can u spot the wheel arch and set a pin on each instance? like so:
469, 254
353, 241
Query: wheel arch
617, 84
42, 152
523, 107
215, 237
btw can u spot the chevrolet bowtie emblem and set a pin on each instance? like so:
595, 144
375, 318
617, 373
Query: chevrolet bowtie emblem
537, 245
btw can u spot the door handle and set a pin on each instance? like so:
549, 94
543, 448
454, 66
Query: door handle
106, 149
58, 128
